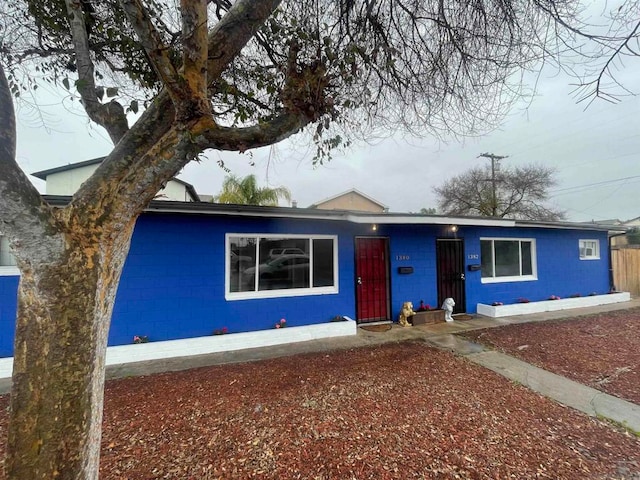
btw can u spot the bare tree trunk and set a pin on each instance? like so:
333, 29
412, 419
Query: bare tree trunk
64, 311
71, 259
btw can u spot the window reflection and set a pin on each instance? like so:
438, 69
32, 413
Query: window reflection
259, 263
242, 255
6, 257
507, 258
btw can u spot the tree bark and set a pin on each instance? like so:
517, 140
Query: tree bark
64, 311
71, 259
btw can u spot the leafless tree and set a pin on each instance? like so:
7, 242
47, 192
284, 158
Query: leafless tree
214, 75
520, 193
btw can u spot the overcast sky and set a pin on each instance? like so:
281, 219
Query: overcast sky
595, 152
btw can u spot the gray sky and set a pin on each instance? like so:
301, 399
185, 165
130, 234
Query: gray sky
595, 152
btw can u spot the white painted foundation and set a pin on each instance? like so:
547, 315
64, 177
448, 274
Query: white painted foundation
551, 305
126, 354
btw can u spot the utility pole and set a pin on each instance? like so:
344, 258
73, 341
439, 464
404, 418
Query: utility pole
494, 160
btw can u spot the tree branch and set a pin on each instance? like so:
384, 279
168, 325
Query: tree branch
110, 115
226, 39
234, 30
24, 217
260, 135
597, 82
196, 51
155, 48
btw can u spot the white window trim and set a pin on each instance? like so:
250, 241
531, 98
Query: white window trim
591, 257
515, 278
9, 270
291, 292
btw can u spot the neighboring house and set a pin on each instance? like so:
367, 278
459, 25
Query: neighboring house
625, 257
609, 222
191, 267
66, 180
633, 227
352, 200
618, 238
634, 222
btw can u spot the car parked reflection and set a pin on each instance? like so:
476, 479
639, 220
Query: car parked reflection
281, 272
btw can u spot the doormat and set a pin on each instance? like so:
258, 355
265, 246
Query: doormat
376, 328
462, 316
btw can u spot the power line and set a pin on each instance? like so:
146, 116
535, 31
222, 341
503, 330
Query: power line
578, 187
600, 160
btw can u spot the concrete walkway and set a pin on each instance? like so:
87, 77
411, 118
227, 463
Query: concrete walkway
561, 389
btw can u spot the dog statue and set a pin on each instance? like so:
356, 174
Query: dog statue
447, 306
405, 313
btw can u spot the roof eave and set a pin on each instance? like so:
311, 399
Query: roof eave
42, 174
570, 226
208, 208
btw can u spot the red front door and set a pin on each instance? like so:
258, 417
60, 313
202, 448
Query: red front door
372, 279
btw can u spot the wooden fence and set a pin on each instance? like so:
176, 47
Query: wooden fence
625, 260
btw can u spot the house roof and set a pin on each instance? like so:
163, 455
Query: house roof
571, 225
43, 174
353, 190
610, 221
631, 221
190, 189
207, 208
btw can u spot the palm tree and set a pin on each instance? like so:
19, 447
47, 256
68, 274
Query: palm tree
245, 191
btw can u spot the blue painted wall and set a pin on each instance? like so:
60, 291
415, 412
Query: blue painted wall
413, 246
560, 270
173, 285
8, 308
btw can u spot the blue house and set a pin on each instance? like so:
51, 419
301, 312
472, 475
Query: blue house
194, 268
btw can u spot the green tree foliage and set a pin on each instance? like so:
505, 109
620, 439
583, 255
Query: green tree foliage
245, 191
633, 236
428, 211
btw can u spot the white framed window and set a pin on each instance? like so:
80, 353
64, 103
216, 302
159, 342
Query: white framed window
508, 259
589, 249
279, 265
7, 260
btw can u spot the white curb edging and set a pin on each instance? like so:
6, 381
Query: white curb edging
123, 354
551, 305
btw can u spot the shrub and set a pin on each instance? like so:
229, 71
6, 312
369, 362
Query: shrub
633, 236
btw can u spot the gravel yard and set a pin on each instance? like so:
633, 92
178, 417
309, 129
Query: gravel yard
395, 411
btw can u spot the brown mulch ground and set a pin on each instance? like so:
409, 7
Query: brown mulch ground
602, 351
396, 411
